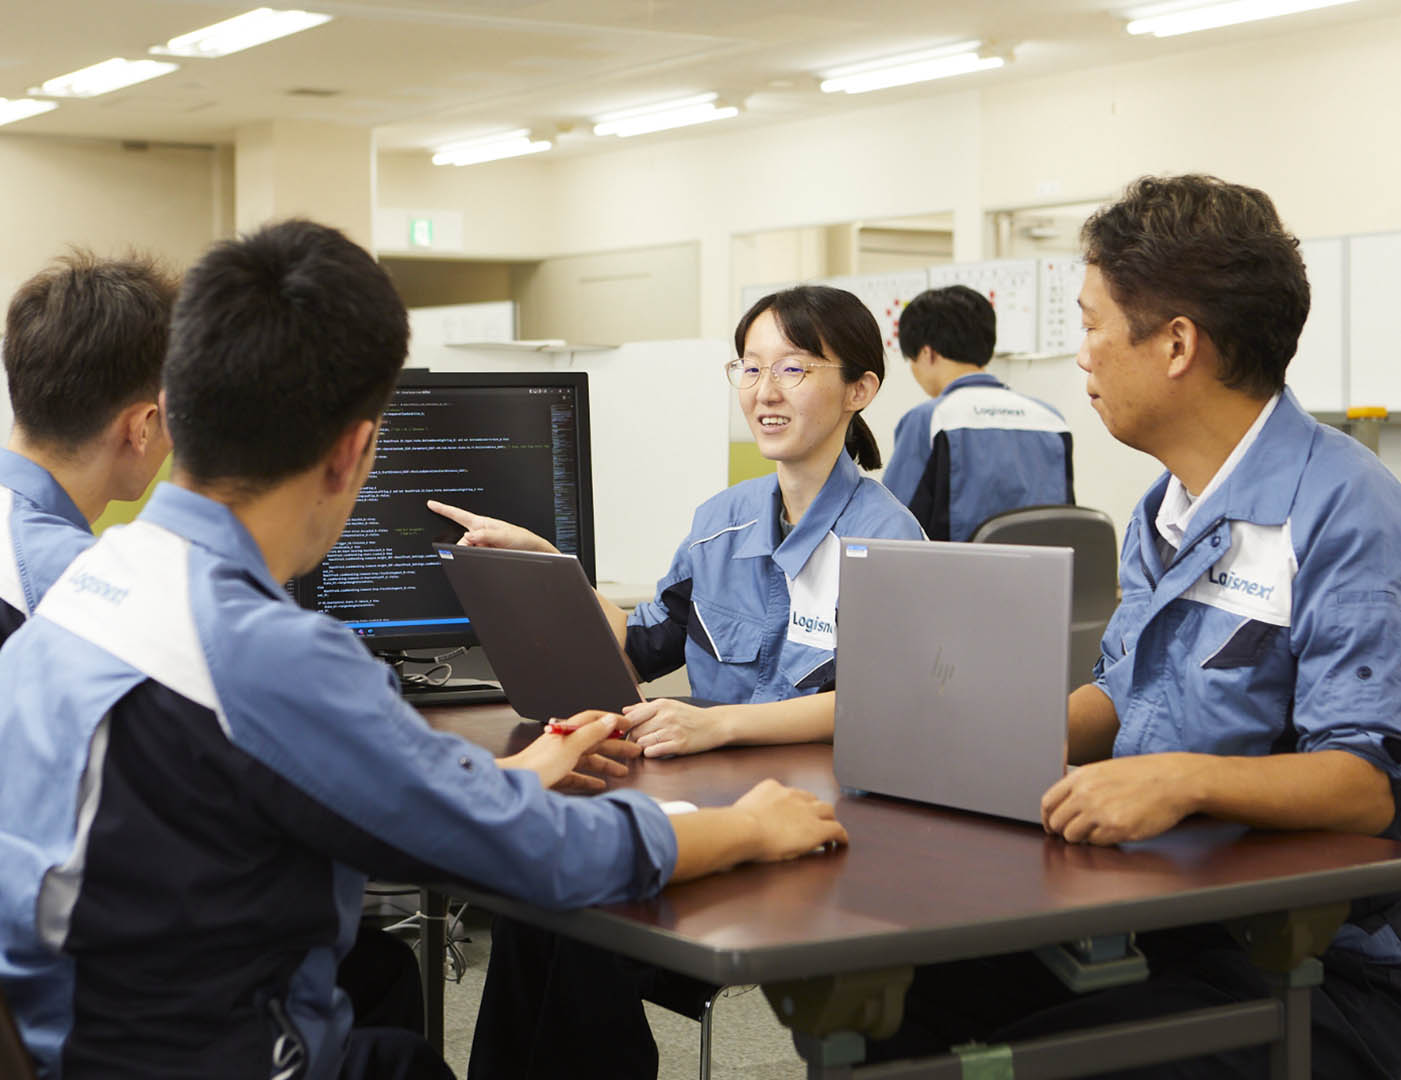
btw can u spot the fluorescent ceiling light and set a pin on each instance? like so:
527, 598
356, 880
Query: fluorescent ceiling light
102, 78
241, 32
941, 63
491, 148
1164, 21
23, 108
644, 119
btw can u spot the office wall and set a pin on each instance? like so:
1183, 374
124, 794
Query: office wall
58, 193
1310, 118
168, 200
439, 282
855, 164
613, 297
508, 207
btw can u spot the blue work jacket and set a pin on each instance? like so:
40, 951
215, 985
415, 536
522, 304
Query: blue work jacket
41, 531
199, 775
1276, 627
753, 617
974, 451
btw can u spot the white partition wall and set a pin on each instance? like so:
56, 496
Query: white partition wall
7, 416
1374, 337
1318, 372
658, 420
660, 448
464, 324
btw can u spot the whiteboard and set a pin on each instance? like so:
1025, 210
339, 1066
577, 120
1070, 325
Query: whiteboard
885, 296
1318, 372
1010, 286
1373, 334
1058, 329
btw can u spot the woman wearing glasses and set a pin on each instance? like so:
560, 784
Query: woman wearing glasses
749, 602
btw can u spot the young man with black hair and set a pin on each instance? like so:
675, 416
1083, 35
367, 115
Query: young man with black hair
83, 347
977, 448
199, 774
84, 343
1251, 669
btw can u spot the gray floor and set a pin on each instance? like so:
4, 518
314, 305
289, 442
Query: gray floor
749, 1042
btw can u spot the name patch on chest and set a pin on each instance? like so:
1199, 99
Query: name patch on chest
1255, 578
812, 598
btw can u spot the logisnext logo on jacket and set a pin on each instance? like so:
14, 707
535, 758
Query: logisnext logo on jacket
1255, 578
812, 597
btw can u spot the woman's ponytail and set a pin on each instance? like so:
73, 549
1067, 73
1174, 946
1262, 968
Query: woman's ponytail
861, 444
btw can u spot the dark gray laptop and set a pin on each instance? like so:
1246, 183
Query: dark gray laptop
541, 625
951, 672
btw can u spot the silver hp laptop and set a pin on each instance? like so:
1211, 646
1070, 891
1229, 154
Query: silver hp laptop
548, 640
951, 672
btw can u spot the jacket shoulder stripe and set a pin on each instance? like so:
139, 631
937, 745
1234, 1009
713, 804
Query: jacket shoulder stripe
11, 587
129, 595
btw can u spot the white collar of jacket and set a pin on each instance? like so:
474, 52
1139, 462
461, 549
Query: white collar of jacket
1178, 507
1262, 486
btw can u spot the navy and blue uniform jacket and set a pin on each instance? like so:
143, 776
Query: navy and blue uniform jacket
1275, 627
199, 774
976, 450
752, 615
41, 531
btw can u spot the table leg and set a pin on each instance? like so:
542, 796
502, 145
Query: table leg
432, 947
1285, 944
1290, 1055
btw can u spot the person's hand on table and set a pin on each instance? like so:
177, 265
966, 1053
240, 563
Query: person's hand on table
491, 532
663, 727
791, 822
1121, 799
565, 762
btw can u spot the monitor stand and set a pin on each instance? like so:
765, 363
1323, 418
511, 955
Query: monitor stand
470, 680
452, 692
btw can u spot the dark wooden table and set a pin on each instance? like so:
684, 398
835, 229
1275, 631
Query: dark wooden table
922, 885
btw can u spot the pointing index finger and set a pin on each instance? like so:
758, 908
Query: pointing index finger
457, 514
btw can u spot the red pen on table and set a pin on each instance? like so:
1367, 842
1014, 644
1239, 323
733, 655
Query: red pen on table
553, 728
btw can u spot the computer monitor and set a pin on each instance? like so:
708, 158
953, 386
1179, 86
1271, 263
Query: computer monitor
513, 446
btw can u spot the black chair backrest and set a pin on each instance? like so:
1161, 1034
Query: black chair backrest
14, 1058
1094, 590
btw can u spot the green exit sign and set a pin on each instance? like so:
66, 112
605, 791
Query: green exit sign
420, 232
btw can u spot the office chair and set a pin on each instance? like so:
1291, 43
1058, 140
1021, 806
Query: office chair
14, 1058
1095, 581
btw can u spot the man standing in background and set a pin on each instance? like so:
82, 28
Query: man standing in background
977, 448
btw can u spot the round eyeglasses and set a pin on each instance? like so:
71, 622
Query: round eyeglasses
785, 374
